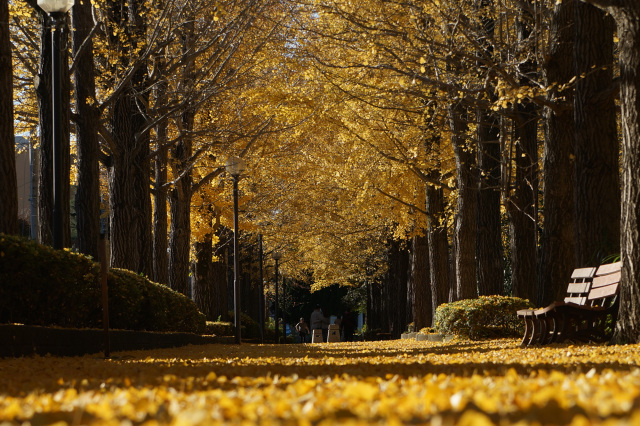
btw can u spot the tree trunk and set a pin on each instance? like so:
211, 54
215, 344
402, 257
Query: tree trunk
180, 235
87, 200
204, 293
160, 161
422, 303
557, 245
219, 273
489, 233
129, 171
8, 178
489, 250
523, 205
160, 218
627, 16
438, 247
596, 145
466, 210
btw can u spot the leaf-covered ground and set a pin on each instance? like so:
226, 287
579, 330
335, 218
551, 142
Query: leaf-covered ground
390, 382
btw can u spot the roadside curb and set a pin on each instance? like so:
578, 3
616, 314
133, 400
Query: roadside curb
26, 340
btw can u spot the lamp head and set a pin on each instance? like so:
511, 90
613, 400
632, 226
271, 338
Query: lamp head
56, 6
276, 255
235, 166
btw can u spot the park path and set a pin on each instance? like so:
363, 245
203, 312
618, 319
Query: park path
387, 382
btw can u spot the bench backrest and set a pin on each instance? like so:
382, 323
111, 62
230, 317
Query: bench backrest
580, 285
606, 284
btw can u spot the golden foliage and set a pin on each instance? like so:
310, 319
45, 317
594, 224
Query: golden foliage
391, 382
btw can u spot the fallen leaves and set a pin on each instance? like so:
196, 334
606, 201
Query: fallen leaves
400, 381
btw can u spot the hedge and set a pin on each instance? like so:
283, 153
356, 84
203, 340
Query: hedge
43, 286
484, 317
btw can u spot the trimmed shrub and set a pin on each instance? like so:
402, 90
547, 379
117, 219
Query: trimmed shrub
220, 328
43, 286
250, 327
484, 317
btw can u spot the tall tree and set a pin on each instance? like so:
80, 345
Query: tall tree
422, 314
87, 120
489, 249
597, 186
627, 16
129, 163
557, 243
8, 179
466, 209
523, 204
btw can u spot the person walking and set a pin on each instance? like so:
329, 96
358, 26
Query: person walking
303, 329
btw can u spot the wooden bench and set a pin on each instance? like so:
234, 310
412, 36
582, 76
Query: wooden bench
595, 320
586, 314
535, 331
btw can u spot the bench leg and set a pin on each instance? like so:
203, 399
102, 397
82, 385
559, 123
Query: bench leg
555, 328
544, 330
535, 331
527, 331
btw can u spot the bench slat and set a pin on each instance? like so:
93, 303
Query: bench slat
609, 268
603, 292
582, 273
603, 280
578, 288
576, 300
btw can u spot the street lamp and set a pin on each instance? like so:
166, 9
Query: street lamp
57, 10
235, 166
276, 256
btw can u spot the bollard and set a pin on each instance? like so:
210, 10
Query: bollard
334, 333
317, 336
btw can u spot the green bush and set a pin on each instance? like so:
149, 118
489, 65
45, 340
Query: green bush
220, 328
43, 286
484, 317
250, 327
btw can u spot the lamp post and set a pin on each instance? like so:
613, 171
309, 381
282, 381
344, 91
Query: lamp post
235, 166
276, 256
57, 10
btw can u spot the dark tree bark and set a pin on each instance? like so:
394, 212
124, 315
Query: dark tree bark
87, 119
628, 19
438, 247
204, 293
557, 244
8, 178
395, 291
489, 252
129, 171
523, 205
160, 218
464, 234
160, 195
597, 188
489, 249
220, 269
180, 228
627, 16
420, 283
180, 196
